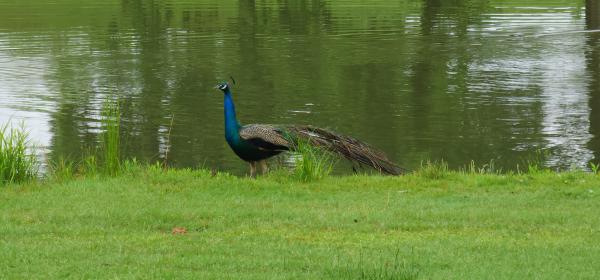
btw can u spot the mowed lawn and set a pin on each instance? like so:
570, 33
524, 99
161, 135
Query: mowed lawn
458, 226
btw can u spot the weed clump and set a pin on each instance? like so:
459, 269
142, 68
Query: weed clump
111, 138
17, 163
434, 170
312, 163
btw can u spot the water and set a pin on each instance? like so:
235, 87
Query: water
453, 80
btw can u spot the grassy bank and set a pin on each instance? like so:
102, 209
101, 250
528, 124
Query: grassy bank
457, 226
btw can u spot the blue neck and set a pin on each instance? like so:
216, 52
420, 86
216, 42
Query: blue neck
231, 124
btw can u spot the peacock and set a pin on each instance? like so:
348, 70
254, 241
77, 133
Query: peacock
255, 143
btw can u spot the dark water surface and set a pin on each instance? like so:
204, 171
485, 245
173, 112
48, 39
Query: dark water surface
454, 80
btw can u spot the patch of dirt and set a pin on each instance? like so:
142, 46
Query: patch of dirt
179, 230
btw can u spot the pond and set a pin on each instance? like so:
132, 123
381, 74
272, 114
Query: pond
423, 80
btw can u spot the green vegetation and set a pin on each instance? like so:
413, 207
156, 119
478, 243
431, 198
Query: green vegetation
433, 170
105, 216
109, 151
17, 164
111, 137
120, 218
312, 163
64, 169
594, 167
454, 226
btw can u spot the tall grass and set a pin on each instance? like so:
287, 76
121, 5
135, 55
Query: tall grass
433, 170
17, 164
104, 159
63, 169
594, 167
111, 137
312, 163
534, 163
487, 168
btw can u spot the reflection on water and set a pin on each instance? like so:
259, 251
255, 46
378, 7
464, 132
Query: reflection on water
433, 79
592, 66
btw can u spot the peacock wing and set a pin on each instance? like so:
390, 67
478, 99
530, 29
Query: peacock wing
265, 137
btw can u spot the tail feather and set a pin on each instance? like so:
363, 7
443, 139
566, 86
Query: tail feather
348, 147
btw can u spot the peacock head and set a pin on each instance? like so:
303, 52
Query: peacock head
224, 86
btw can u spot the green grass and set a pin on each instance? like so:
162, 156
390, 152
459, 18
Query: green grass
312, 163
17, 163
64, 169
111, 137
433, 170
459, 226
104, 159
594, 167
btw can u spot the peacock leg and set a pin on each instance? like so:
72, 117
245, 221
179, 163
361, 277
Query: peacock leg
253, 169
263, 166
